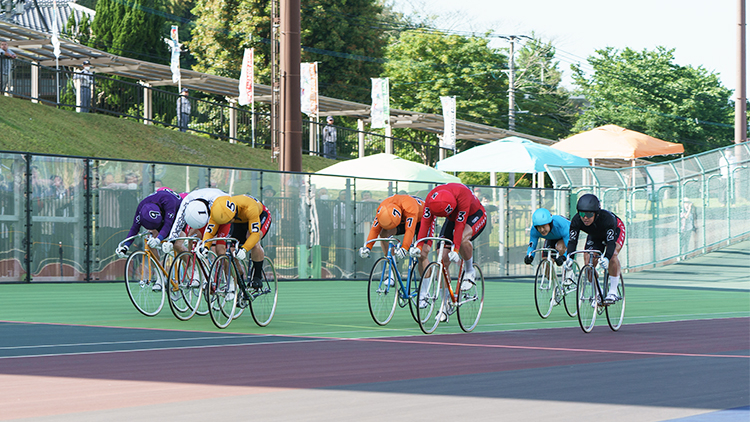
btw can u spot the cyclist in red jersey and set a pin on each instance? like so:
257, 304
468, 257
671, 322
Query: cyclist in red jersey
465, 219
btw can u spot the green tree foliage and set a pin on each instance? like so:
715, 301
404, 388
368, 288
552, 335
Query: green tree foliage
343, 36
546, 109
647, 92
131, 28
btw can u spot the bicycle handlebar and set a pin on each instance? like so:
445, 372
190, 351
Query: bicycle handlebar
391, 239
440, 239
142, 234
550, 250
595, 252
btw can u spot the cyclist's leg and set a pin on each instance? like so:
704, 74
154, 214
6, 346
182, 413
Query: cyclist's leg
387, 233
474, 226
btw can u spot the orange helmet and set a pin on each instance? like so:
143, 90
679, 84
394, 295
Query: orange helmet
223, 210
389, 216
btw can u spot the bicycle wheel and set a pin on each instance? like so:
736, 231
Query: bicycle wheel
587, 303
381, 296
186, 274
263, 300
203, 304
145, 283
616, 311
470, 302
544, 287
221, 291
430, 298
569, 298
412, 288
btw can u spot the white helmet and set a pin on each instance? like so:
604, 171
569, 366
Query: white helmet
196, 214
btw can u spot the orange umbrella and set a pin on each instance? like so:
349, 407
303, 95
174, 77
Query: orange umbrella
613, 141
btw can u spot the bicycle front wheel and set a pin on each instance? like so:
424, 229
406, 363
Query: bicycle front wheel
587, 298
616, 311
144, 281
381, 296
569, 297
470, 302
544, 287
221, 291
263, 300
412, 287
430, 298
186, 276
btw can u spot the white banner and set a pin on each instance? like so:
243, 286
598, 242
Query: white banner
174, 45
309, 88
55, 39
380, 111
449, 120
247, 76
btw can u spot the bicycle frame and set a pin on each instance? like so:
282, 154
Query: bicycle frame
591, 255
442, 242
403, 290
147, 263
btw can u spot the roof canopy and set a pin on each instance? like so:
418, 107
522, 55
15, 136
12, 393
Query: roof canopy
613, 141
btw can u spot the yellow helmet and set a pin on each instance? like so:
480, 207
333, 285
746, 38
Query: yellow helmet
223, 210
389, 217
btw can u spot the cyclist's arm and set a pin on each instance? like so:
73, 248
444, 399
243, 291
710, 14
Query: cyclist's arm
211, 229
375, 230
534, 239
425, 224
179, 221
253, 226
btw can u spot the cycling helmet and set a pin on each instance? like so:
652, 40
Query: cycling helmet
149, 216
541, 217
196, 214
223, 210
441, 202
588, 202
389, 217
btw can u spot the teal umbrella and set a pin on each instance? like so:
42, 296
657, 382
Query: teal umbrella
510, 155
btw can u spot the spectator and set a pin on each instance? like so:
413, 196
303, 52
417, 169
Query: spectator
329, 139
688, 226
325, 222
6, 65
183, 110
367, 196
84, 78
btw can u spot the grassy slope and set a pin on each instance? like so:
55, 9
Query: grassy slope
29, 127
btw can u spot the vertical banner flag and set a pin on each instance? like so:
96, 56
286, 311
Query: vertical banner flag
380, 111
449, 120
55, 39
174, 46
309, 88
247, 75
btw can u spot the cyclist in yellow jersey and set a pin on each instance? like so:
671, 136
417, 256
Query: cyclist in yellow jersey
250, 222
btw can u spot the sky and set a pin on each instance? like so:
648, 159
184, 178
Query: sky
702, 32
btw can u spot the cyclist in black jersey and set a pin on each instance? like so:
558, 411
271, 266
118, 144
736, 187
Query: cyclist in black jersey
606, 233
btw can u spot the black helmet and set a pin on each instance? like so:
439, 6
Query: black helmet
588, 202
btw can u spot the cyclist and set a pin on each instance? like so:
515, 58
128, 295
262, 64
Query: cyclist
555, 229
397, 215
194, 213
465, 220
155, 213
606, 233
250, 220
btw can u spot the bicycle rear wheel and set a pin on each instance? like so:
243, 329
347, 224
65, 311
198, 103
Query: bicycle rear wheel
569, 298
263, 300
470, 302
544, 287
616, 311
381, 296
186, 274
221, 291
430, 298
587, 302
145, 283
203, 304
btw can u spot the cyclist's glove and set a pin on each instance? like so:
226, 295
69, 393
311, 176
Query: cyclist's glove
201, 250
167, 247
415, 252
604, 263
240, 254
454, 256
121, 251
559, 260
364, 252
153, 242
528, 259
400, 253
569, 264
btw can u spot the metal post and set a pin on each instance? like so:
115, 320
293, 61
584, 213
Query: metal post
27, 198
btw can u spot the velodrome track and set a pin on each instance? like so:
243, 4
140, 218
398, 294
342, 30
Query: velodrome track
78, 352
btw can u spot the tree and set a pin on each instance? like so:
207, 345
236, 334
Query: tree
423, 66
343, 36
647, 92
132, 29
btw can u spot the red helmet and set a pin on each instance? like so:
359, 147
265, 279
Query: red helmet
389, 217
441, 202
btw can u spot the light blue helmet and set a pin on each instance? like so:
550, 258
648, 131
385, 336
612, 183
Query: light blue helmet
541, 217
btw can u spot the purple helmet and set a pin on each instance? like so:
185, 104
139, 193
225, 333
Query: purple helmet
150, 216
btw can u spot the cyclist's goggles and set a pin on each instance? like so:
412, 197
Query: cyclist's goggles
587, 214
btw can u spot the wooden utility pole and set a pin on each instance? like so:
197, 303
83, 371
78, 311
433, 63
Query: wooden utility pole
740, 108
291, 114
